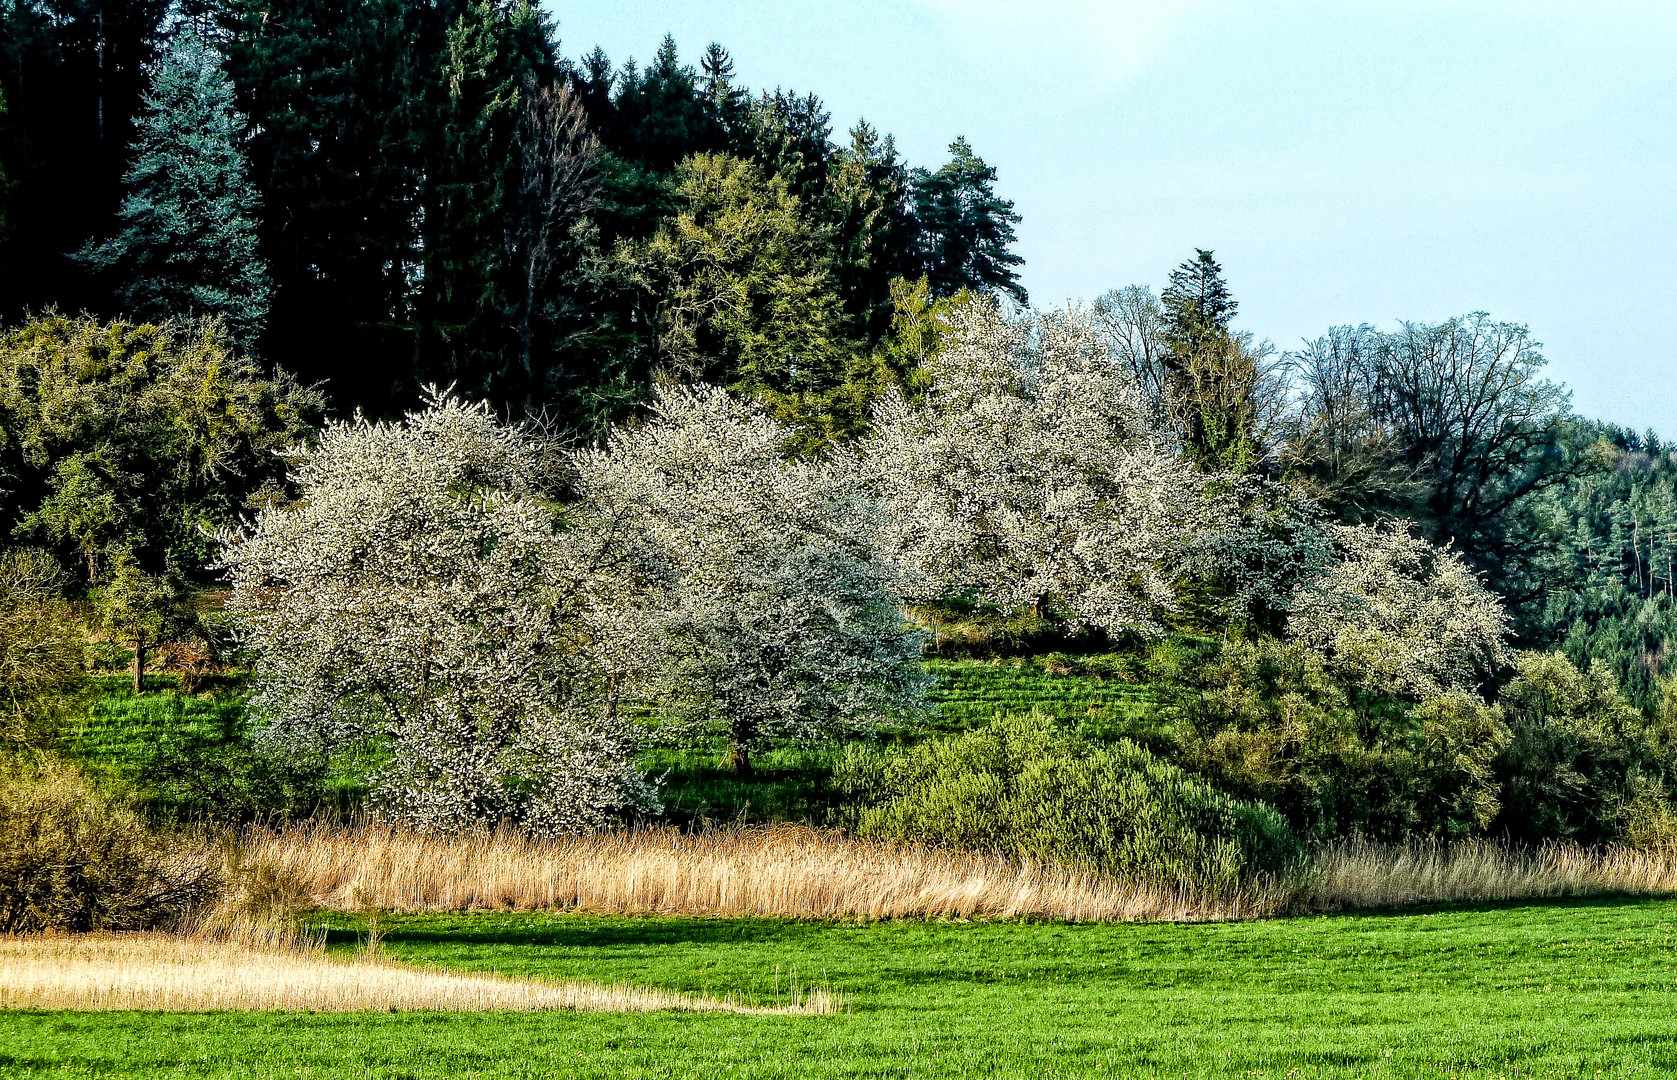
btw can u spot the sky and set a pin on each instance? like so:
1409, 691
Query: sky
1347, 161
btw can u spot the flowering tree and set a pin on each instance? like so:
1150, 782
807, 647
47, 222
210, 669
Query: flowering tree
423, 596
765, 604
1397, 614
1033, 474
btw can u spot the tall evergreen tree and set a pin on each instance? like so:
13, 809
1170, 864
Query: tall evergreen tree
791, 137
72, 72
1198, 306
494, 53
188, 240
966, 229
1217, 381
873, 228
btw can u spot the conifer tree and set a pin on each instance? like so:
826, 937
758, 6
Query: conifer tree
1198, 307
872, 227
188, 241
966, 229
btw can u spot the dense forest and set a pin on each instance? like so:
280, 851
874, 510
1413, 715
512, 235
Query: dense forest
699, 418
400, 194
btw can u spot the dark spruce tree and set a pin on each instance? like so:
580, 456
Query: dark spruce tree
187, 246
965, 229
1198, 306
494, 55
338, 157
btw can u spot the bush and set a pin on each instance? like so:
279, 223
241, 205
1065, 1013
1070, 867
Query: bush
1583, 764
74, 858
1025, 788
41, 648
1267, 720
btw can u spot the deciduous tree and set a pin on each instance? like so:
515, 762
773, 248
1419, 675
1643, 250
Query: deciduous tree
425, 595
1033, 475
767, 604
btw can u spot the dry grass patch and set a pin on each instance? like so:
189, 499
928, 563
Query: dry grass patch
778, 871
177, 973
1360, 875
792, 871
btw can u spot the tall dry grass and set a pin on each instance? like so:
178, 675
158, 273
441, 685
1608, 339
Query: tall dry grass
800, 872
175, 972
1362, 875
782, 870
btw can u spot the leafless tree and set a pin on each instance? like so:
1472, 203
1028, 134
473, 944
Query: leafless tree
1132, 324
558, 183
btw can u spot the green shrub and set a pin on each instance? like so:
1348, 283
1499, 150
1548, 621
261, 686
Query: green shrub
1583, 763
1024, 787
41, 648
1266, 720
72, 857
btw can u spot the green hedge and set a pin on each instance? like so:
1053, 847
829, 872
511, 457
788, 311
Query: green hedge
1024, 787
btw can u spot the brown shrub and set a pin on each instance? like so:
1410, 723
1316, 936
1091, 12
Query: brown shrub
73, 857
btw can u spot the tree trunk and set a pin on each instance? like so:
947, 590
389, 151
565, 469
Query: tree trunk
139, 664
739, 758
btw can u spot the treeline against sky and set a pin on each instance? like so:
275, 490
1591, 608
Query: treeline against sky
373, 196
384, 194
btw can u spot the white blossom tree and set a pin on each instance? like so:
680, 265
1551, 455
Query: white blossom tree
766, 607
423, 597
1397, 614
1033, 474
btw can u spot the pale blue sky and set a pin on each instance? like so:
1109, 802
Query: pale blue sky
1348, 161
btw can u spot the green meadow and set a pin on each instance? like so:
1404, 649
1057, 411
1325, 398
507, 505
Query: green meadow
1570, 989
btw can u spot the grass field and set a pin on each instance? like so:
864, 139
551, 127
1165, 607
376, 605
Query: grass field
1561, 989
789, 783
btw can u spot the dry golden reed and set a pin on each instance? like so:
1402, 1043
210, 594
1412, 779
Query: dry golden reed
1362, 875
781, 870
794, 871
174, 972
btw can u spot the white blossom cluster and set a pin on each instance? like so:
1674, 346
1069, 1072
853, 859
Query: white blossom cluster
1398, 614
1034, 473
423, 597
765, 603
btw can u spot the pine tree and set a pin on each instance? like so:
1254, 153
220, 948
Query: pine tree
1198, 307
873, 231
1214, 377
966, 229
188, 242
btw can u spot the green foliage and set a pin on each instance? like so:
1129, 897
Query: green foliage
1603, 550
965, 229
741, 293
1267, 720
42, 648
134, 439
74, 858
1215, 382
1024, 787
1580, 754
140, 609
187, 247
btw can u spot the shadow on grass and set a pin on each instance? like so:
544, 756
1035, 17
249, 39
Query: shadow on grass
1470, 907
565, 930
579, 930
